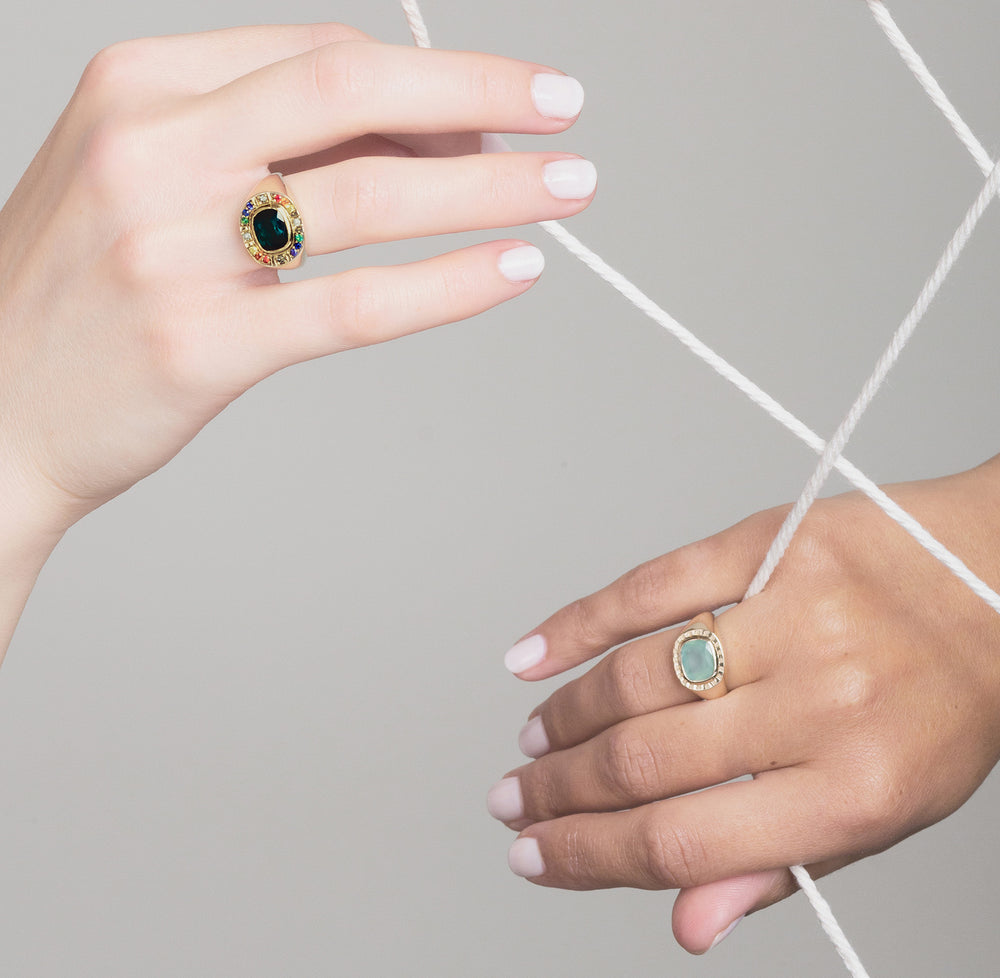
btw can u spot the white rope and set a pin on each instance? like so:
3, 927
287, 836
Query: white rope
767, 403
836, 445
822, 909
415, 19
929, 84
831, 453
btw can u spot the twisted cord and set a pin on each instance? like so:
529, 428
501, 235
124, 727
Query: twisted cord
929, 84
831, 453
836, 444
415, 20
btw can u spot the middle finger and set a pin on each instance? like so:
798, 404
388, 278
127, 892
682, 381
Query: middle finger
370, 200
659, 755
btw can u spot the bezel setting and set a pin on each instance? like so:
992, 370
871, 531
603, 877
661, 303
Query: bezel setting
288, 253
720, 659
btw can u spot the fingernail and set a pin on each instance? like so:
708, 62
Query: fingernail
570, 179
723, 934
556, 96
527, 653
523, 264
504, 801
533, 740
525, 858
492, 143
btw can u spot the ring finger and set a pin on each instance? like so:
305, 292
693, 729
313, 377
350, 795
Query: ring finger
639, 679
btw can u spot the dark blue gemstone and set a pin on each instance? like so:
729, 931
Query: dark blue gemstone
270, 229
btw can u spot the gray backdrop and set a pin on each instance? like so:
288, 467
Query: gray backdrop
254, 705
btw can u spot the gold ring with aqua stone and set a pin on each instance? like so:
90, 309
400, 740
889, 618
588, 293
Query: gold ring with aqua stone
271, 226
699, 661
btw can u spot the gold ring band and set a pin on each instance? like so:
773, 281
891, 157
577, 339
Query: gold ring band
271, 226
699, 660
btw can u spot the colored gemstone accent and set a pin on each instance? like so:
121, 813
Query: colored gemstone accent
270, 229
698, 660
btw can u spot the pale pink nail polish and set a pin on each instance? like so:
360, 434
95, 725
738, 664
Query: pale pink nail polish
533, 740
556, 96
522, 264
525, 858
723, 934
504, 801
527, 653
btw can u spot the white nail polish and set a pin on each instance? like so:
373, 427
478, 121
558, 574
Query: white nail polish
533, 740
492, 143
556, 96
570, 179
505, 801
723, 934
527, 653
525, 858
523, 264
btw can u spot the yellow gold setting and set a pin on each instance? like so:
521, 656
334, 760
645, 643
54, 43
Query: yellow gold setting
699, 633
271, 229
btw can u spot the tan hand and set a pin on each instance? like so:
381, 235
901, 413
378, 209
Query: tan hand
864, 695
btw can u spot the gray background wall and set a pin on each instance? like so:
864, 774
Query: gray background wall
254, 705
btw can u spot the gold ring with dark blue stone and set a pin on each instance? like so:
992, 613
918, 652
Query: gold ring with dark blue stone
271, 227
699, 661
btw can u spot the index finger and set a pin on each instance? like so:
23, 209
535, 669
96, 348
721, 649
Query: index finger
668, 590
340, 91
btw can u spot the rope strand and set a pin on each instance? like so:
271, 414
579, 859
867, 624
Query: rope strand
831, 452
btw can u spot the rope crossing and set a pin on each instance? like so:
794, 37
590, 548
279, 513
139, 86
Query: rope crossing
831, 452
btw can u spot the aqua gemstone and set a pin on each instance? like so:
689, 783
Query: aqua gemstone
698, 661
270, 229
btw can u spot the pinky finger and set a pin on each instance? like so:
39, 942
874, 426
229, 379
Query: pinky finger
289, 322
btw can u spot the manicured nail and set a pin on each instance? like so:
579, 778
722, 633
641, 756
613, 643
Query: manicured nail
556, 96
525, 858
492, 143
527, 653
723, 934
504, 801
570, 179
523, 264
533, 740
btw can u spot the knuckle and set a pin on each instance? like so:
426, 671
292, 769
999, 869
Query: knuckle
483, 84
321, 34
501, 185
818, 544
113, 70
360, 202
879, 806
354, 310
673, 857
630, 766
642, 590
585, 623
852, 690
631, 686
457, 281
136, 260
341, 74
576, 858
119, 152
